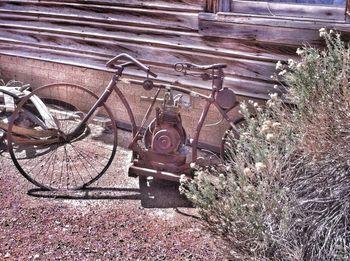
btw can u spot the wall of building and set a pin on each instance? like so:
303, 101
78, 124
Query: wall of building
159, 33
48, 41
39, 73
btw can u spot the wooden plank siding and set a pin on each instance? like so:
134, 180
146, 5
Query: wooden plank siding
160, 33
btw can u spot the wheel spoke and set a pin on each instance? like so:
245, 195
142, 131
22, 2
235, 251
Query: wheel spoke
64, 165
48, 162
81, 152
84, 165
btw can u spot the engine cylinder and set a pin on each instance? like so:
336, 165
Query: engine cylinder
167, 140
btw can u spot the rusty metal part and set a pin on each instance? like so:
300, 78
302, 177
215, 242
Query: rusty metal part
167, 140
175, 163
226, 98
137, 136
165, 134
161, 139
168, 133
148, 135
162, 154
37, 114
141, 171
148, 84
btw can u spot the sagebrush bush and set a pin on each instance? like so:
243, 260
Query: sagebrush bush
321, 175
246, 200
283, 191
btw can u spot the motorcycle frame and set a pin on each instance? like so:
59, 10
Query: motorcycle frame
113, 87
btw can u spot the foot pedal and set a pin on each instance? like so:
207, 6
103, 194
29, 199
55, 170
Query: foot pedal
132, 173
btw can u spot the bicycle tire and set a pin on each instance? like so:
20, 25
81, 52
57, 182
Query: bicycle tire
53, 164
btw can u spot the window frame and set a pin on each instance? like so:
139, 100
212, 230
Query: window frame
271, 9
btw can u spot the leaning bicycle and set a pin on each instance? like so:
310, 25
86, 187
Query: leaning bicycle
80, 144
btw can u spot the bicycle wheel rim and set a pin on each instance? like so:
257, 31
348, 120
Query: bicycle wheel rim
80, 162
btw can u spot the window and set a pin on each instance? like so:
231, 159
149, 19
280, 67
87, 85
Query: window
282, 22
310, 2
318, 9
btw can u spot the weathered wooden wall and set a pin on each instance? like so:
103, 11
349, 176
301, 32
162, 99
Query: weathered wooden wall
87, 33
160, 33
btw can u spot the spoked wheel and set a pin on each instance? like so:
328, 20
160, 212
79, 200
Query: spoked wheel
43, 147
228, 143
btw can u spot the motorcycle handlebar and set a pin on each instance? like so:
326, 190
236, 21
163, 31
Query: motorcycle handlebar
180, 67
133, 61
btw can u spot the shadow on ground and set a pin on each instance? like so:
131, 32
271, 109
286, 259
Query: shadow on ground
91, 193
152, 194
161, 194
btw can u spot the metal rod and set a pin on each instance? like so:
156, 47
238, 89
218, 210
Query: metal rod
198, 130
154, 173
175, 88
103, 98
144, 119
128, 109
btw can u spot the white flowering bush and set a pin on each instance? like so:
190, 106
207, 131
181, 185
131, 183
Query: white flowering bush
283, 191
245, 200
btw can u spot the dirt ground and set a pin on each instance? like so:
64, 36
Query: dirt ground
113, 220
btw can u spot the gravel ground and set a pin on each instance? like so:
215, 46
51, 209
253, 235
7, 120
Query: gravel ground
113, 220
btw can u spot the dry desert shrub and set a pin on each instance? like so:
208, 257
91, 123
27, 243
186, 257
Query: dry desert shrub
283, 191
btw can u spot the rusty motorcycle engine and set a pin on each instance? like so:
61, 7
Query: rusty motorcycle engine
165, 139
